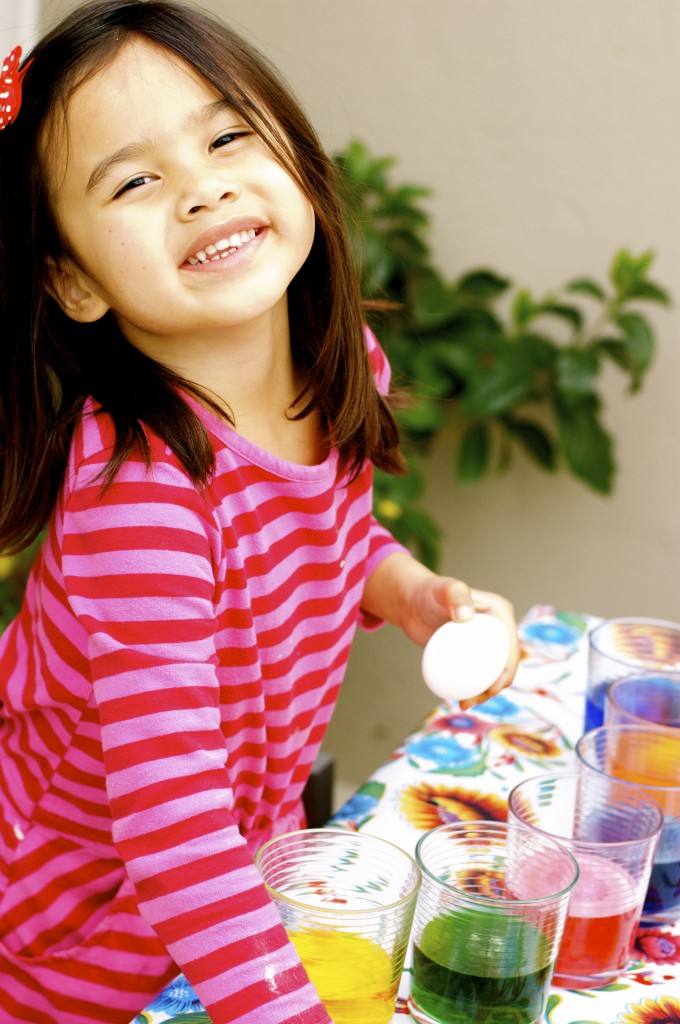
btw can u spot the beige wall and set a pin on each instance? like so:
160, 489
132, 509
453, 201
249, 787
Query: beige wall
548, 130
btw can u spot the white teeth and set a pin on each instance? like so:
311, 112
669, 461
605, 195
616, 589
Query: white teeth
225, 246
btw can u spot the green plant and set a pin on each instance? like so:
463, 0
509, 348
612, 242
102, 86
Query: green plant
516, 369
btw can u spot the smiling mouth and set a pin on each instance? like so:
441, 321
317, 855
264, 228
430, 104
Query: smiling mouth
225, 247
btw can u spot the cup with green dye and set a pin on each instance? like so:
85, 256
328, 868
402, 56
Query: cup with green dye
488, 923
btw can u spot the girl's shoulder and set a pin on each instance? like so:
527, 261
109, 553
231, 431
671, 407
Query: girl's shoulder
92, 446
378, 360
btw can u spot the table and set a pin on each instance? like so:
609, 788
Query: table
462, 765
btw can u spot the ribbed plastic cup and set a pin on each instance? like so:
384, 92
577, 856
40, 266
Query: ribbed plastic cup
488, 923
624, 647
346, 900
612, 830
644, 757
652, 698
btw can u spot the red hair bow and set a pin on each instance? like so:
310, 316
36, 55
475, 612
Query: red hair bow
10, 87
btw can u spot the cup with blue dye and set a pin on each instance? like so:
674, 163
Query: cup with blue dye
488, 924
623, 647
648, 758
643, 700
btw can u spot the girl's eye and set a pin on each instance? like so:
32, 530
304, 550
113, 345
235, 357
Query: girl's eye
140, 179
227, 137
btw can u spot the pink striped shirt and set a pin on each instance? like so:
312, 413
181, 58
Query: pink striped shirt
166, 688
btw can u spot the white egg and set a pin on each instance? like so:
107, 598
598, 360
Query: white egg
461, 659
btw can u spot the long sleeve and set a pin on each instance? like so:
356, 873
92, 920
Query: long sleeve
139, 568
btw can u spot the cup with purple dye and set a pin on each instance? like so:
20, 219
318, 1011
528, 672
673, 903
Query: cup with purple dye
643, 700
647, 758
612, 830
623, 647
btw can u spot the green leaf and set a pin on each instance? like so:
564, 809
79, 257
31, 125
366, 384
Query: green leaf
586, 286
639, 343
537, 351
474, 453
421, 534
455, 360
627, 272
575, 372
616, 349
498, 387
586, 445
400, 490
483, 284
359, 164
470, 326
571, 314
377, 264
189, 1018
534, 439
432, 374
433, 301
523, 308
650, 291
426, 416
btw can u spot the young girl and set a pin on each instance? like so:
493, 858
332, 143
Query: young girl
190, 402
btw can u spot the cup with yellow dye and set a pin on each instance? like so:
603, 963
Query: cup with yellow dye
347, 901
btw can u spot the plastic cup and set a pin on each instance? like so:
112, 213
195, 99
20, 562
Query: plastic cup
646, 758
612, 830
623, 647
346, 900
488, 923
644, 699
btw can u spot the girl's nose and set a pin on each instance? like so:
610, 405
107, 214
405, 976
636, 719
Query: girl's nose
206, 193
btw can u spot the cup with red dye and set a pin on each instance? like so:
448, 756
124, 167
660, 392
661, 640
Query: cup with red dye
488, 923
648, 758
612, 830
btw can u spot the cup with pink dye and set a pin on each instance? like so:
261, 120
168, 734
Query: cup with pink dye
612, 830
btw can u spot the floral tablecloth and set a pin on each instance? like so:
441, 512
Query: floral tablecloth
462, 765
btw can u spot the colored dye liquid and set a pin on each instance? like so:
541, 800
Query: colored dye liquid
663, 894
354, 977
601, 925
595, 699
483, 967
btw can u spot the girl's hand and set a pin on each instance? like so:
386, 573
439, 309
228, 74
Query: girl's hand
438, 599
404, 592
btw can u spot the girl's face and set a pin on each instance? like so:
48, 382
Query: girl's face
175, 214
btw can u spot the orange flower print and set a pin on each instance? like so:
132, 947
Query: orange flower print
425, 805
664, 1010
525, 743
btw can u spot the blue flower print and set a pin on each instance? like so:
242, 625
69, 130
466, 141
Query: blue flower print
177, 997
445, 752
358, 806
499, 706
551, 631
361, 806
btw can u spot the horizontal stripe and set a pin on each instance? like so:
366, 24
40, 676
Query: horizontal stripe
166, 689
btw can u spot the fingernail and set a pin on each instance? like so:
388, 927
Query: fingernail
464, 613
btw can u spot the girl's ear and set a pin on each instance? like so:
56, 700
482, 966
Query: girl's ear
74, 291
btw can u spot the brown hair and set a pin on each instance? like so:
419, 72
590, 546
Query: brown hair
49, 364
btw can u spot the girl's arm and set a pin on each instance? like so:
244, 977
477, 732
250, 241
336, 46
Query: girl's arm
139, 565
404, 592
